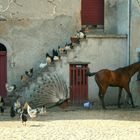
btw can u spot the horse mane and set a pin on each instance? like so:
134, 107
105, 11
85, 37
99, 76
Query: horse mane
130, 69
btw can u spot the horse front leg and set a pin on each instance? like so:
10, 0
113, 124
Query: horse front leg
130, 96
119, 97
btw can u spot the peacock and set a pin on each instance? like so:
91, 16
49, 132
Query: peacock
51, 93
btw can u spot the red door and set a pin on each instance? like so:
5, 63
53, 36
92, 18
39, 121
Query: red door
78, 83
92, 12
3, 72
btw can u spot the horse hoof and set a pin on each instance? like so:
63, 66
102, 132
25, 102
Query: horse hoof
104, 108
133, 106
119, 106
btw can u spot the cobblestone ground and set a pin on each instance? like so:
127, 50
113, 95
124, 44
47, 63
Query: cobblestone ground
96, 124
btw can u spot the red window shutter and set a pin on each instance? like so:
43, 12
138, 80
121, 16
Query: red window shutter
92, 12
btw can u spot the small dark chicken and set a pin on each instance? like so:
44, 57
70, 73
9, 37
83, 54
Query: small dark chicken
22, 112
31, 112
62, 50
81, 34
29, 73
15, 108
1, 104
23, 117
49, 59
10, 88
55, 54
12, 112
68, 46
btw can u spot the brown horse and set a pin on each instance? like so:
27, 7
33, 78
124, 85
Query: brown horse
115, 78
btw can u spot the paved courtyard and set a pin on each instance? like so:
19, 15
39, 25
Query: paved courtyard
74, 124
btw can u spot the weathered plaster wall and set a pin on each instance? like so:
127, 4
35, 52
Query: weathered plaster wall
32, 28
116, 16
42, 9
102, 52
135, 46
135, 30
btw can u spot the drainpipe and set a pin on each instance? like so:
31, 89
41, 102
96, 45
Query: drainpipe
129, 32
128, 41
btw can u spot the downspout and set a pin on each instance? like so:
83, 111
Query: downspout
129, 32
128, 41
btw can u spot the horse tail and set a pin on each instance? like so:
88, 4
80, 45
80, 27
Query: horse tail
88, 73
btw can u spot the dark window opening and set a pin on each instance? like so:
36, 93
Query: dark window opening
2, 47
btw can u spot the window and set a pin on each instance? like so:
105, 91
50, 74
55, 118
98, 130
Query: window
92, 12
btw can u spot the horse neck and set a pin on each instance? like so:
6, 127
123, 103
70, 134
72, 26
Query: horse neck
133, 68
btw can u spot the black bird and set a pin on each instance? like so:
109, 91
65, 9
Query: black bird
23, 117
12, 112
29, 73
68, 46
54, 52
1, 104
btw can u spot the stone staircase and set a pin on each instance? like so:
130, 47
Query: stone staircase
47, 85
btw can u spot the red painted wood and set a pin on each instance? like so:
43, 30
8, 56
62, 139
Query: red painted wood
83, 87
84, 78
78, 83
77, 86
80, 90
92, 12
3, 73
86, 82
